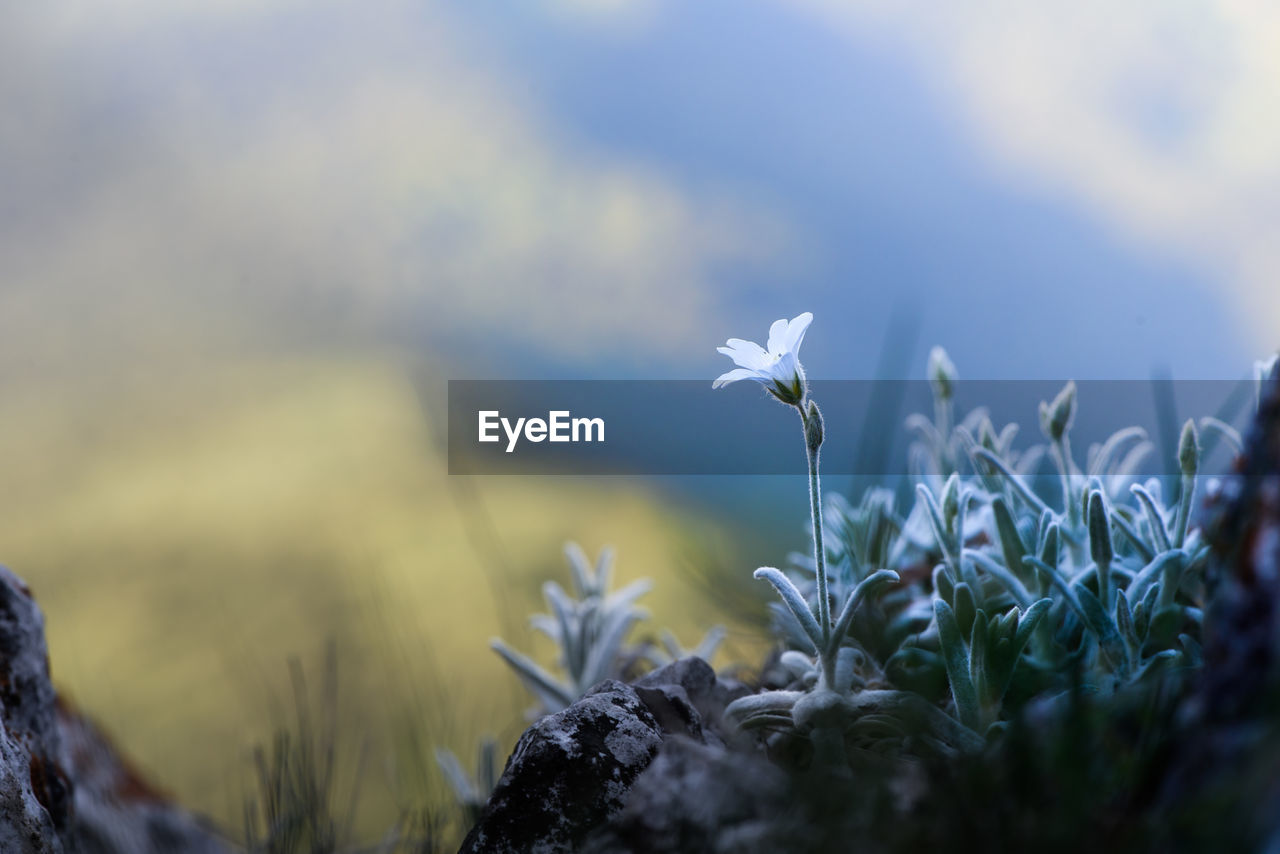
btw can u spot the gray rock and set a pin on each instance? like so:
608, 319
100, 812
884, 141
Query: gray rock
690, 682
697, 797
115, 809
568, 773
25, 826
572, 770
63, 786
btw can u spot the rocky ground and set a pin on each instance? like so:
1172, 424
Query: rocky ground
64, 788
1185, 764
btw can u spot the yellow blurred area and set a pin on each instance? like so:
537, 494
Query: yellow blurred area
186, 537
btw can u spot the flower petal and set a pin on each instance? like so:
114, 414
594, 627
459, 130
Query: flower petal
785, 370
733, 376
795, 331
746, 354
778, 336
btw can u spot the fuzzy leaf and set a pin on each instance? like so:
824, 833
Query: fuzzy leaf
792, 598
464, 789
1155, 519
868, 586
934, 514
549, 691
1011, 545
1134, 537
1100, 622
978, 639
956, 658
1125, 625
966, 608
604, 652
1015, 481
580, 568
487, 770
1027, 622
943, 584
767, 703
1102, 461
1015, 587
1163, 568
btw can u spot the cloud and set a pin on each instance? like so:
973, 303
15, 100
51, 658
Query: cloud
239, 172
1163, 118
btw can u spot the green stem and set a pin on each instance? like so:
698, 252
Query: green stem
942, 420
819, 553
1183, 517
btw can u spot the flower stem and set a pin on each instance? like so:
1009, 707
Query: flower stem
815, 508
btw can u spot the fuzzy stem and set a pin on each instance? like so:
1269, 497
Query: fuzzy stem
819, 553
1183, 518
942, 420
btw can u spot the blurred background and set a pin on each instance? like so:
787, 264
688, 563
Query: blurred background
244, 244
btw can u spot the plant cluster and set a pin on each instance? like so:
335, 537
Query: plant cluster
988, 591
589, 629
589, 626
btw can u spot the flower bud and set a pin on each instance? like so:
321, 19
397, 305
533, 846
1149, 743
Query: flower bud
1049, 549
1100, 547
1055, 418
942, 374
1189, 449
951, 499
987, 436
1264, 368
813, 427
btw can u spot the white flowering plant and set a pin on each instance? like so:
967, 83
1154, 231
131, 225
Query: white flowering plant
1099, 579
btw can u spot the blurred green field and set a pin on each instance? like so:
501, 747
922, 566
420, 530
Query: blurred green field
186, 537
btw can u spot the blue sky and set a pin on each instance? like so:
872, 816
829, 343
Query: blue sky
850, 143
606, 189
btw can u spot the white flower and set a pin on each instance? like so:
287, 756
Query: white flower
1262, 369
777, 368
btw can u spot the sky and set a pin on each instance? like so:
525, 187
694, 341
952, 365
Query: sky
611, 189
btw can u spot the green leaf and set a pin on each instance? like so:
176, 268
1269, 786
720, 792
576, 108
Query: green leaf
1155, 519
1190, 650
1027, 622
1100, 622
1106, 454
604, 570
956, 659
580, 567
1011, 545
934, 515
1126, 627
1134, 537
792, 598
1025, 492
549, 691
1163, 568
943, 584
1015, 587
768, 704
464, 789
1051, 547
978, 639
869, 585
1100, 548
603, 654
487, 770
1057, 580
966, 607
